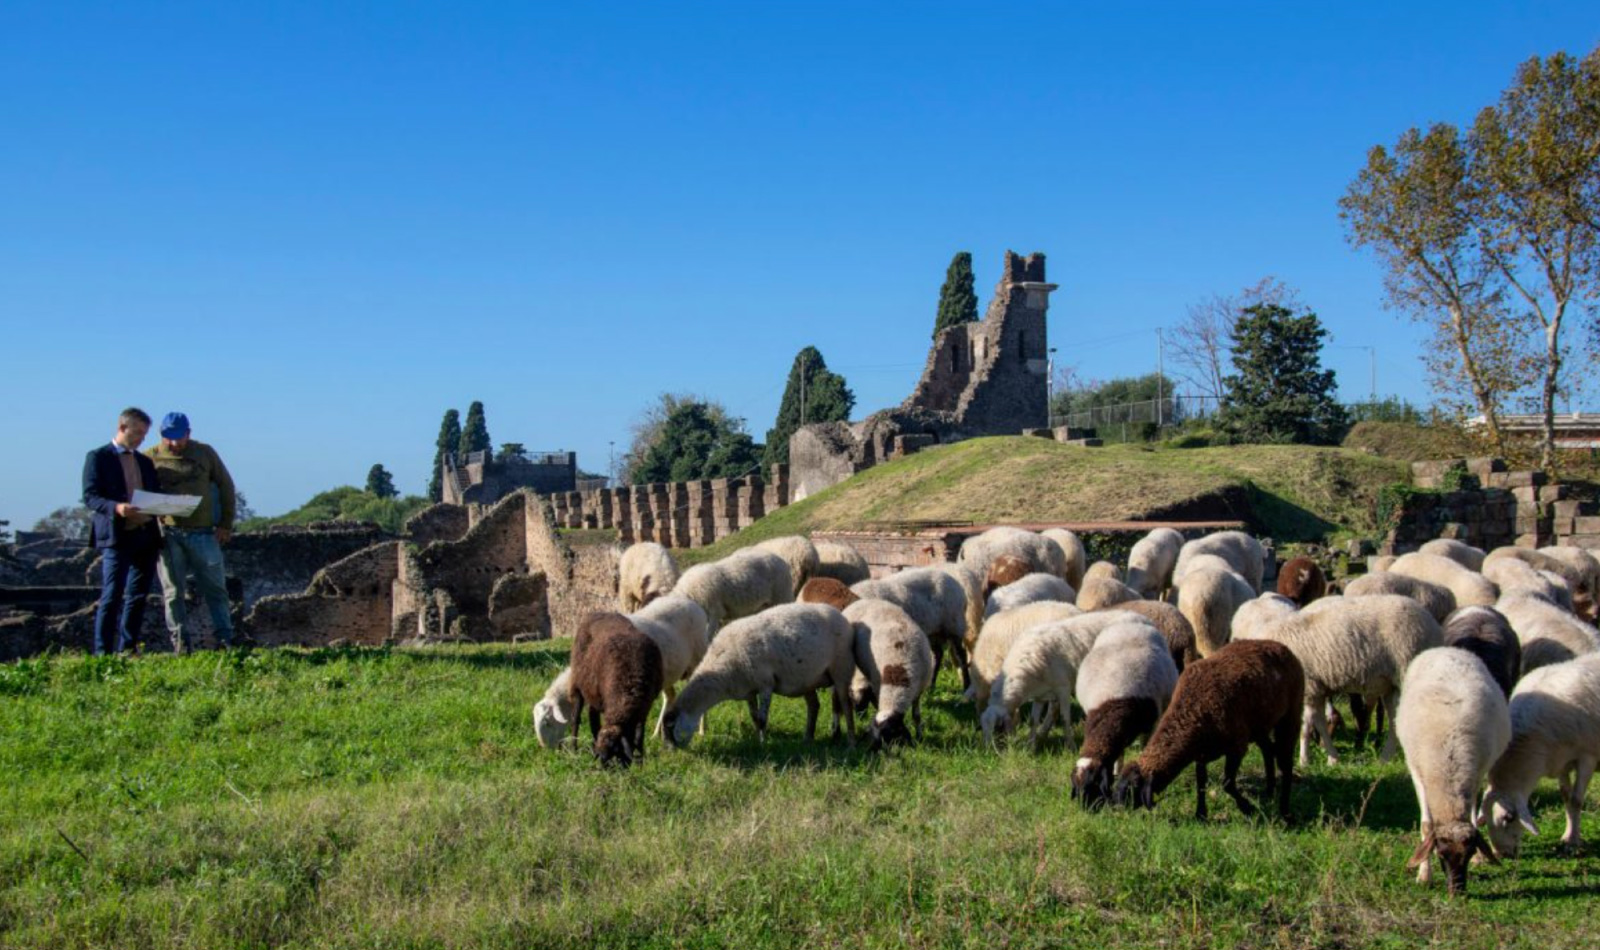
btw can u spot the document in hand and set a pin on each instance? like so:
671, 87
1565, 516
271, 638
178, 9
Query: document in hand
154, 503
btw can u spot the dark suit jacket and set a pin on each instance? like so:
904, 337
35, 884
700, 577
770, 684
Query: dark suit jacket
104, 488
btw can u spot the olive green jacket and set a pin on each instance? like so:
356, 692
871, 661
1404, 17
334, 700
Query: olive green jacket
194, 472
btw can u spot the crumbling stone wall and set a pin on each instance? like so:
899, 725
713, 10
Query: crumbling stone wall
282, 560
439, 522
1481, 503
679, 514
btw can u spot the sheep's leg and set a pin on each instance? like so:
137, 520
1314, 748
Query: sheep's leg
1064, 701
916, 716
813, 706
1283, 737
1573, 797
594, 724
1200, 791
671, 694
577, 719
1390, 740
1425, 869
1316, 719
958, 654
1230, 782
1362, 714
1268, 766
1042, 725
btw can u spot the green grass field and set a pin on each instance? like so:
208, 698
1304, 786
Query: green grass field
399, 799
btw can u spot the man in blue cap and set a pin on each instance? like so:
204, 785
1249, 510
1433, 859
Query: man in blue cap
194, 542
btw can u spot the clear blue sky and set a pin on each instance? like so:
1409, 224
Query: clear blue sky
315, 227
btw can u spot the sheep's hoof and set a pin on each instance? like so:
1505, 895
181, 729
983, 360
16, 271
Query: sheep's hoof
1332, 760
1570, 849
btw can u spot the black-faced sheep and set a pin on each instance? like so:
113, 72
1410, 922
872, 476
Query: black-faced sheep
788, 650
1248, 692
1123, 685
826, 590
1485, 633
1151, 561
1453, 724
616, 673
1302, 581
896, 668
646, 571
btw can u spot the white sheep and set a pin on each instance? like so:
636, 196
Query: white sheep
552, 714
1358, 645
1243, 553
739, 585
1030, 590
1042, 666
1208, 598
1103, 570
1438, 600
1151, 562
1515, 576
1254, 616
1042, 554
1469, 588
1124, 683
788, 650
841, 562
972, 587
1555, 731
936, 601
1072, 548
645, 572
895, 667
1549, 634
1098, 593
1587, 567
1460, 552
679, 627
1452, 723
999, 633
797, 552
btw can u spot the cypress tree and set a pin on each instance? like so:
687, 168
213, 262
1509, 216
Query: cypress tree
474, 432
1281, 393
380, 482
813, 395
449, 440
958, 302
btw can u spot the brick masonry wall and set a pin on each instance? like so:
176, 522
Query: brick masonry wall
1492, 507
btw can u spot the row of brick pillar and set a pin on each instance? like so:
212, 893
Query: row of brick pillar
677, 514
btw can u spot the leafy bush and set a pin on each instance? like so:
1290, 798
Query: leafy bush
347, 503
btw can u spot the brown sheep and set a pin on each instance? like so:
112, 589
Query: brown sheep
826, 590
616, 672
1302, 581
1003, 570
1249, 691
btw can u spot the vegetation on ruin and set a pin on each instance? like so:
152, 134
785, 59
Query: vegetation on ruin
371, 798
958, 298
1294, 492
346, 503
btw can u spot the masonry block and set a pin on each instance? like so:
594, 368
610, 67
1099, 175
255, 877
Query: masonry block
1524, 479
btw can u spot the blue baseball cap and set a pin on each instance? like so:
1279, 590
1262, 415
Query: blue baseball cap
175, 425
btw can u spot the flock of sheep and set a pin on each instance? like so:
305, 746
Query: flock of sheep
1487, 665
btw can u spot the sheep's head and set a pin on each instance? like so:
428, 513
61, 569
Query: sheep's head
862, 695
678, 727
995, 721
888, 731
1091, 782
1507, 818
1455, 844
613, 747
1134, 787
550, 723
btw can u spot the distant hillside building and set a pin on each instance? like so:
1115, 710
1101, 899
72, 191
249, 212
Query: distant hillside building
481, 480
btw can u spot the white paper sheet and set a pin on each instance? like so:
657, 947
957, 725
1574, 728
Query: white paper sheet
153, 503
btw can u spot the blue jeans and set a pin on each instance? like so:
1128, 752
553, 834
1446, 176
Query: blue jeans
125, 575
194, 550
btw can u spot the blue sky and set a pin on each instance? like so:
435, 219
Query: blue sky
315, 227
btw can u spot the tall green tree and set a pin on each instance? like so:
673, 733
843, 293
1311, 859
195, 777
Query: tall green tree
448, 442
1280, 392
696, 441
814, 394
380, 483
958, 301
474, 432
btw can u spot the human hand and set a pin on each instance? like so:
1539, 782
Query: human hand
124, 509
224, 535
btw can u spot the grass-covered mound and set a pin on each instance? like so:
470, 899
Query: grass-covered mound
1295, 492
398, 799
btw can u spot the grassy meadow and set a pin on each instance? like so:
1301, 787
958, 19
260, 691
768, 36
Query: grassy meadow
349, 798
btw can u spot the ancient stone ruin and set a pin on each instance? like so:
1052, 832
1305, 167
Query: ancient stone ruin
984, 378
480, 479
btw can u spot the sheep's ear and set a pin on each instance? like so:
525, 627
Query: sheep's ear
1482, 846
1526, 821
1421, 854
1147, 793
557, 714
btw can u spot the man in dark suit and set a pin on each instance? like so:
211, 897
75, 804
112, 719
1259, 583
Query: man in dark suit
129, 540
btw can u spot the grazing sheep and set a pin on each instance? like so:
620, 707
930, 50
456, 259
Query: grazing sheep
1007, 569
1254, 616
826, 590
1358, 645
1460, 552
1485, 633
616, 673
1515, 576
1437, 600
936, 600
1243, 553
1470, 589
788, 650
1555, 731
1072, 547
972, 587
645, 572
1098, 593
552, 714
1029, 590
1123, 685
1540, 561
1151, 561
1042, 554
1248, 692
1042, 666
1103, 570
999, 633
1453, 724
1586, 595
743, 583
1548, 633
797, 552
1208, 598
896, 668
1302, 581
841, 562
679, 628
1171, 623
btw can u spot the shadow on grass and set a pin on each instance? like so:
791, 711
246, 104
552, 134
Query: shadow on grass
1385, 803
